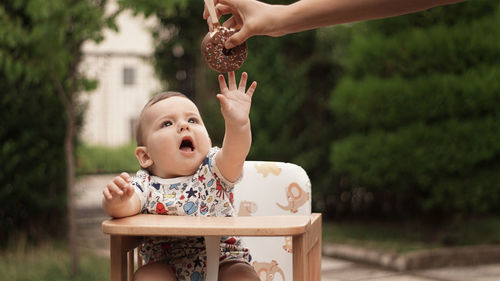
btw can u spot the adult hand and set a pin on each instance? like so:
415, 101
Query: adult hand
249, 17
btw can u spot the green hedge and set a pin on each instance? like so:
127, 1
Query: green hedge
418, 154
417, 51
417, 115
388, 103
106, 160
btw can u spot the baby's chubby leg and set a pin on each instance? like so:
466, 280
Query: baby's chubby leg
157, 271
237, 271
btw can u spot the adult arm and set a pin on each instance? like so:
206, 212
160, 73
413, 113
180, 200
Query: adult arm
258, 18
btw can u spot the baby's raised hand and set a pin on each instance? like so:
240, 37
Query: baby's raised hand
235, 102
119, 189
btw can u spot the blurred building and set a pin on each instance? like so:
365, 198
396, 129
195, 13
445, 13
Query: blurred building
122, 65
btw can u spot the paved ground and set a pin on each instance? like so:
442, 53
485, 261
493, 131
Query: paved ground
340, 270
90, 216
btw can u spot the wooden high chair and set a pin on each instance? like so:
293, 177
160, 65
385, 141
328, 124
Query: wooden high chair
274, 221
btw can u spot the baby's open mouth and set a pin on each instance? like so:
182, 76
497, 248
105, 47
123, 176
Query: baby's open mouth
186, 145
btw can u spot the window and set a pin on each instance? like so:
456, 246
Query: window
128, 76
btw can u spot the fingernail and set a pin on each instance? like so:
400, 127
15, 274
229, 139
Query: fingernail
229, 45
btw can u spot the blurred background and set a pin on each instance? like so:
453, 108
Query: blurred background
396, 121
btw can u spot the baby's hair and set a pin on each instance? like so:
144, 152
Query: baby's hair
156, 98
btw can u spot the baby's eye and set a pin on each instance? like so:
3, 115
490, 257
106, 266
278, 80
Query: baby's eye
166, 124
193, 120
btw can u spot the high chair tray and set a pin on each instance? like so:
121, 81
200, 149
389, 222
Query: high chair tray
164, 225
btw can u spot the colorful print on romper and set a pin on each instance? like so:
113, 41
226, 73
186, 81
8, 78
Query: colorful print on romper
206, 193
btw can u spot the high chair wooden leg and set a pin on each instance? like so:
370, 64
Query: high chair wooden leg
120, 245
118, 259
314, 248
299, 257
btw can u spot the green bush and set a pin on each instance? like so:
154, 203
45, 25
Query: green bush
435, 167
444, 48
32, 189
374, 103
40, 48
106, 160
32, 174
417, 115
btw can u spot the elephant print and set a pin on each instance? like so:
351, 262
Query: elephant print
269, 269
295, 199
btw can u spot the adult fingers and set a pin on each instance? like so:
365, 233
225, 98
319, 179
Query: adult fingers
232, 22
205, 12
238, 38
231, 3
206, 16
210, 24
225, 9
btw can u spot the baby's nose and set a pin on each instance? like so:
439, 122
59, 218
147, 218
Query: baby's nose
183, 126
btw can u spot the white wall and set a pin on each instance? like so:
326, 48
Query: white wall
113, 105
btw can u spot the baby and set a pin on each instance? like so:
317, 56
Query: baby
182, 174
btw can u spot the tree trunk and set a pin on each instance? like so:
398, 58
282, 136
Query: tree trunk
70, 181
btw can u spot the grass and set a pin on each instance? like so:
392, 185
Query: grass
50, 262
403, 237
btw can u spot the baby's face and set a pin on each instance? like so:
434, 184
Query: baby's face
175, 137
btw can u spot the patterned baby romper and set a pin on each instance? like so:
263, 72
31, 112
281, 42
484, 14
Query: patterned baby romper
206, 193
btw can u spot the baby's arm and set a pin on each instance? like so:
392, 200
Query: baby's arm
120, 199
235, 107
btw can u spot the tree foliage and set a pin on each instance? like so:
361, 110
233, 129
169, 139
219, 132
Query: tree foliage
419, 112
40, 48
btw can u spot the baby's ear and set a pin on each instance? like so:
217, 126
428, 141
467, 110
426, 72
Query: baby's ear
141, 153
